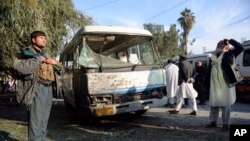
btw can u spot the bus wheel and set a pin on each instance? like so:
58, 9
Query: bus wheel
85, 115
86, 118
140, 112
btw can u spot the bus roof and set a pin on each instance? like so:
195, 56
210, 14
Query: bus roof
106, 30
114, 30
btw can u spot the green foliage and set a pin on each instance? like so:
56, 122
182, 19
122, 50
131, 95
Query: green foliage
171, 42
19, 18
167, 41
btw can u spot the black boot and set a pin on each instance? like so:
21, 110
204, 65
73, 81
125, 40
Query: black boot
212, 124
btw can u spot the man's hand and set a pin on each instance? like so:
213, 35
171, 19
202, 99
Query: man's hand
226, 41
190, 80
50, 60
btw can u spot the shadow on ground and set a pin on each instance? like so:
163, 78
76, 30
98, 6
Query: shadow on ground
4, 136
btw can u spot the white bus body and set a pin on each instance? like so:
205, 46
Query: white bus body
111, 70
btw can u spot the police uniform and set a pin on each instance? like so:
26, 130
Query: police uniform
36, 92
41, 104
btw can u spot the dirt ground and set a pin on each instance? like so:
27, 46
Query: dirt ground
156, 124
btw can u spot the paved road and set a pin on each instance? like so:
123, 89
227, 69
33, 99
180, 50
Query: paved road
240, 114
156, 124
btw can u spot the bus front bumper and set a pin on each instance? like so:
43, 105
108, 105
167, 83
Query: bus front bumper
113, 109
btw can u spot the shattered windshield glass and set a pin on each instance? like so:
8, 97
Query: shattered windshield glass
90, 59
121, 51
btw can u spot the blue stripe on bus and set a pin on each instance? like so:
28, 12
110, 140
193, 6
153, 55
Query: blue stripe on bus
131, 90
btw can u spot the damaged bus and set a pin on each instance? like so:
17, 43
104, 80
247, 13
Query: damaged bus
110, 70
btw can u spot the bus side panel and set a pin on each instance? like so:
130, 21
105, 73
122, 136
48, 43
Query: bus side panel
124, 82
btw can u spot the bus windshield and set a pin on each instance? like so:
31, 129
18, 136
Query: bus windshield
117, 51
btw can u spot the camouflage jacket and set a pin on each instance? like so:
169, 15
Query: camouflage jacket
28, 69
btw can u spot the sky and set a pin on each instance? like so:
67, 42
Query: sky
215, 19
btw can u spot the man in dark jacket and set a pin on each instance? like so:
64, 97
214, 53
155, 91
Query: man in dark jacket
186, 74
199, 82
222, 91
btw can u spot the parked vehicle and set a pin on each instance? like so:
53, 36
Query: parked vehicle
243, 62
110, 70
202, 57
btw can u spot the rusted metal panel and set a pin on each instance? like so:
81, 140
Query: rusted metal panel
122, 82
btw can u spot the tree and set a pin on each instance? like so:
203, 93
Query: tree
171, 42
167, 41
19, 18
186, 21
157, 31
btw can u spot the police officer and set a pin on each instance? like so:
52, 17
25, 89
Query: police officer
35, 90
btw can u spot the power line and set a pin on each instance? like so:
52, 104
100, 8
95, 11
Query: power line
164, 11
100, 5
233, 23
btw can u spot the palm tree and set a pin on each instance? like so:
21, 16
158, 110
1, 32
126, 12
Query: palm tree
186, 21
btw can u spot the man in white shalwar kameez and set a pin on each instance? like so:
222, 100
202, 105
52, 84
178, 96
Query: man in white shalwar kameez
222, 93
172, 72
